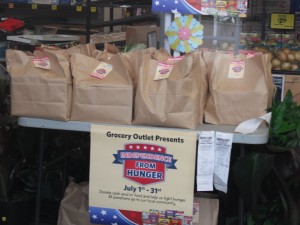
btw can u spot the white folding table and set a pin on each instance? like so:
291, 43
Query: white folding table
260, 136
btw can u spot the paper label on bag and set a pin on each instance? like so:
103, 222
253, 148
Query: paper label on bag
102, 70
174, 59
236, 69
42, 62
205, 160
223, 147
163, 71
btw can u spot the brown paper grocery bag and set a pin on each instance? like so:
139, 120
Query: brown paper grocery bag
107, 100
133, 60
38, 92
85, 49
177, 101
74, 206
232, 100
206, 211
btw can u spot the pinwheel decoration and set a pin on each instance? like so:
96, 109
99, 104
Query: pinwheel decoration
185, 34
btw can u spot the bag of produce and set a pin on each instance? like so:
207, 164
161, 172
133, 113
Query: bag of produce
171, 93
102, 89
240, 87
41, 84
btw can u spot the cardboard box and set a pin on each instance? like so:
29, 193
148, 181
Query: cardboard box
292, 82
139, 34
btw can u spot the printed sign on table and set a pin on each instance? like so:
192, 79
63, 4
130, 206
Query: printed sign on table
141, 175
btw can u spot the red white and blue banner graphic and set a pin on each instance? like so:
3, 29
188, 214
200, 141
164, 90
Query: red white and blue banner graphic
133, 172
100, 215
204, 7
144, 163
177, 6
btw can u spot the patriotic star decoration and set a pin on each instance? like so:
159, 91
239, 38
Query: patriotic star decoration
94, 217
114, 216
156, 2
145, 147
185, 34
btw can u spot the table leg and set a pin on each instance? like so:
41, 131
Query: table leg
241, 201
65, 177
39, 178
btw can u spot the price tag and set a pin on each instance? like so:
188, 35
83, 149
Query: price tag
34, 6
11, 5
93, 9
102, 70
282, 21
236, 69
54, 7
163, 71
79, 8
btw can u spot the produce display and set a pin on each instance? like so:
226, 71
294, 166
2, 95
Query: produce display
284, 49
286, 59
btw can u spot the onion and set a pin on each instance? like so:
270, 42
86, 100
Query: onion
297, 55
224, 45
286, 50
275, 62
282, 56
286, 66
243, 42
291, 57
294, 67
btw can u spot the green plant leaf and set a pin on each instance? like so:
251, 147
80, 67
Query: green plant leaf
249, 173
250, 220
231, 220
293, 143
277, 117
268, 222
288, 97
285, 127
298, 131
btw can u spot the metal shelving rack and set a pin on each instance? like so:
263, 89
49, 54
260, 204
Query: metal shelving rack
85, 10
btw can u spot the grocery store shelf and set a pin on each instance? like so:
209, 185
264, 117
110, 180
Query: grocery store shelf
79, 7
286, 72
42, 13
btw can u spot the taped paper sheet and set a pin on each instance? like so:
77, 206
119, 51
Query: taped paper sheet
205, 161
223, 145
